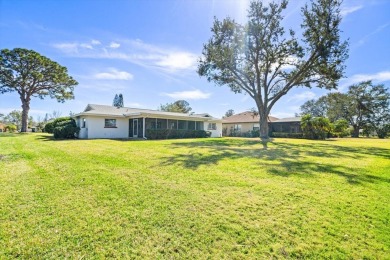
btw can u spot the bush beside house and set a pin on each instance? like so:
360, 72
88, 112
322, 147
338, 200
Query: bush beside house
62, 128
175, 133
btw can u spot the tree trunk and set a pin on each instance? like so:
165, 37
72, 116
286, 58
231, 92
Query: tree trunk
26, 109
355, 132
264, 130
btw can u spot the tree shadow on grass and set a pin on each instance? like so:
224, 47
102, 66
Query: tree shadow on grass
282, 159
51, 138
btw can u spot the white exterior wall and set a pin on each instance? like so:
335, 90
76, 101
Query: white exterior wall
95, 128
83, 134
214, 133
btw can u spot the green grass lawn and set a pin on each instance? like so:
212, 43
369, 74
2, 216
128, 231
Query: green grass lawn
198, 198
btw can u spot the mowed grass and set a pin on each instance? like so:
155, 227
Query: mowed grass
199, 198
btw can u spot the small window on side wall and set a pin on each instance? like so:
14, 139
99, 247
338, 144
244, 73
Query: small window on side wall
212, 126
110, 123
83, 123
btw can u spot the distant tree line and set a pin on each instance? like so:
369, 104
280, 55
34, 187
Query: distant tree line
364, 106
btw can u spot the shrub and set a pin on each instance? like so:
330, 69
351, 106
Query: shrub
250, 134
315, 127
286, 135
175, 133
49, 128
341, 128
383, 131
10, 128
65, 129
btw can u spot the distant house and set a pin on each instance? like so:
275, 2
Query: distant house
242, 123
101, 121
2, 127
245, 122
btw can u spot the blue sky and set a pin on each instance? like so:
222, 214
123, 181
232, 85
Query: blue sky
148, 50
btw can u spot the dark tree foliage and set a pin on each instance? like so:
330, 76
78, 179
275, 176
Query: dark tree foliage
315, 127
364, 103
118, 101
33, 75
66, 129
379, 110
230, 112
179, 106
315, 108
364, 106
115, 101
260, 59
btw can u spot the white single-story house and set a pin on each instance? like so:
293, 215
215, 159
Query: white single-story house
101, 121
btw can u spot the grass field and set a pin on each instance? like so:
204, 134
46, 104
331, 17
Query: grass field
199, 198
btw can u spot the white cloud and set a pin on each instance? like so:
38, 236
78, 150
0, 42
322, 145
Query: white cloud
177, 61
86, 46
166, 59
67, 47
306, 95
351, 9
114, 45
114, 74
381, 76
95, 42
190, 94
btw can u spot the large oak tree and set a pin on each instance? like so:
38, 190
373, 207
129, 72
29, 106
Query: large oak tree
262, 60
33, 75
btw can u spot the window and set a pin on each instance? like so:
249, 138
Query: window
172, 124
110, 123
83, 124
191, 125
182, 124
199, 125
212, 126
237, 127
256, 127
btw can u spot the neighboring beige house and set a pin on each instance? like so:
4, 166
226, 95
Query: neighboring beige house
101, 121
2, 127
242, 123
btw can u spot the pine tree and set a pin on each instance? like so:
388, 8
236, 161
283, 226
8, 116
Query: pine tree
115, 102
120, 100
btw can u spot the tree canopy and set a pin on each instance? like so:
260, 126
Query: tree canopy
118, 101
228, 113
364, 104
33, 75
180, 106
260, 59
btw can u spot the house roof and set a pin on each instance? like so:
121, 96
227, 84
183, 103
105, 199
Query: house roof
288, 119
245, 117
104, 110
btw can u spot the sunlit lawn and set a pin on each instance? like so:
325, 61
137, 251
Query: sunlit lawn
198, 198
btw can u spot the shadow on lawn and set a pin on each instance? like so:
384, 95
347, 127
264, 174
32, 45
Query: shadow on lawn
287, 155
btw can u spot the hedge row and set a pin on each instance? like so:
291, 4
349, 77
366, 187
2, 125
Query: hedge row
175, 133
287, 135
235, 133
